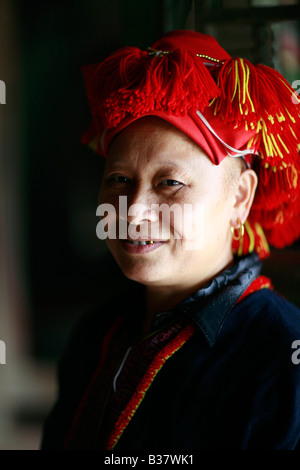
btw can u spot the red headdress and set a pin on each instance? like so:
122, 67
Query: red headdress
228, 106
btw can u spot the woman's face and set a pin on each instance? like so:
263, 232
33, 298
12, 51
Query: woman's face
154, 166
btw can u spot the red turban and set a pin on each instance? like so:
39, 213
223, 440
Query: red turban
228, 106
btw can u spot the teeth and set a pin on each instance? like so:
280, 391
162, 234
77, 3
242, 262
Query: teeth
141, 242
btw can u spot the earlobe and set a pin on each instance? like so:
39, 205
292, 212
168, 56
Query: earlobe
240, 229
244, 196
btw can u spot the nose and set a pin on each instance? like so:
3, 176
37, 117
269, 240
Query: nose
140, 207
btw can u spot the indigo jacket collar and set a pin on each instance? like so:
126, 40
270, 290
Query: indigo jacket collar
209, 306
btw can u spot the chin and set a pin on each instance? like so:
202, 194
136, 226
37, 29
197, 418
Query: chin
142, 279
142, 275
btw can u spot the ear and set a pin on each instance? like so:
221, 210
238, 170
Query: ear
244, 195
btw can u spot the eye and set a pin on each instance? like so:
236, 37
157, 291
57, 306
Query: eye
117, 179
170, 182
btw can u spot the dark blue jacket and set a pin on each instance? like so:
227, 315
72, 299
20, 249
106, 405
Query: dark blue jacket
235, 384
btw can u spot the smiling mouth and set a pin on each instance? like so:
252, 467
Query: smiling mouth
141, 247
141, 242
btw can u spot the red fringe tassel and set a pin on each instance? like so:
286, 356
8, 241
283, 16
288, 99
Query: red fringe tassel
176, 82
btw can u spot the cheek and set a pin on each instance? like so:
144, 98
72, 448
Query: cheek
217, 220
206, 221
190, 227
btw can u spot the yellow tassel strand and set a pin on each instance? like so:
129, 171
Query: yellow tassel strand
262, 236
282, 143
276, 145
251, 236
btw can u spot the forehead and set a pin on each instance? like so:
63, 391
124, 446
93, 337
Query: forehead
154, 140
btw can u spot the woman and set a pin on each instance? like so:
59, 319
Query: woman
198, 353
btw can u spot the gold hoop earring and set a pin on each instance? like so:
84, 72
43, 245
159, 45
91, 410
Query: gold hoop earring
240, 229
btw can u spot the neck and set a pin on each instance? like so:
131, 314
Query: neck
163, 298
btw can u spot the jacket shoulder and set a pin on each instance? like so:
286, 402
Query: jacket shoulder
268, 307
